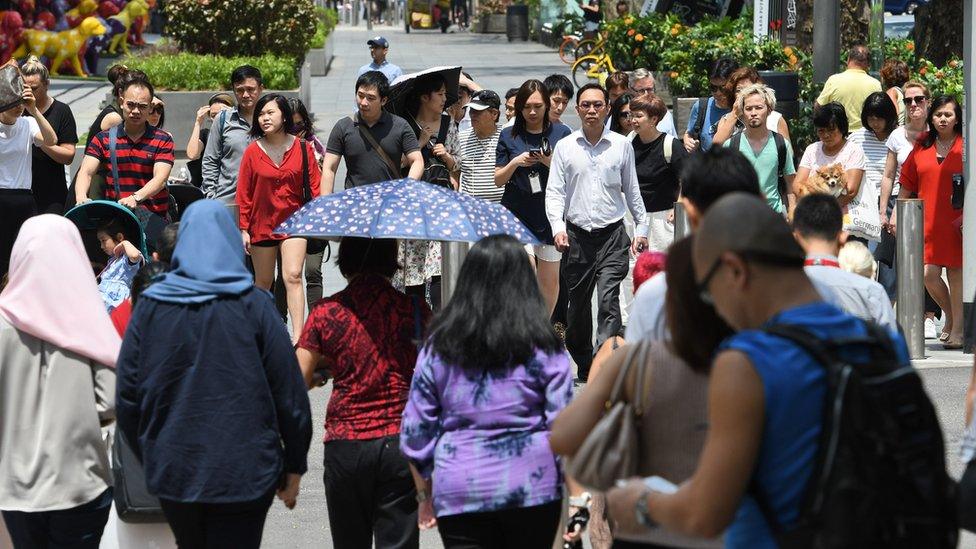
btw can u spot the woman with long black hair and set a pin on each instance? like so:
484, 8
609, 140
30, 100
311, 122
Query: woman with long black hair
487, 386
522, 167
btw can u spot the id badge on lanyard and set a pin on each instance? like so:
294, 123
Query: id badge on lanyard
534, 182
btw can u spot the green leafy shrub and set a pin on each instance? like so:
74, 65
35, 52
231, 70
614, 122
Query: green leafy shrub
242, 27
325, 22
195, 72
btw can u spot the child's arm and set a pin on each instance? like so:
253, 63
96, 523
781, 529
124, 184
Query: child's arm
131, 252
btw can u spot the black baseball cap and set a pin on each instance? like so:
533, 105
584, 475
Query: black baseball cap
484, 99
378, 41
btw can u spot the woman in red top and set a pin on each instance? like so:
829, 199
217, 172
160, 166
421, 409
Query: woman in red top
928, 174
269, 189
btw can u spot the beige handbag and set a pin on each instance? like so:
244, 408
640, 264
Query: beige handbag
611, 450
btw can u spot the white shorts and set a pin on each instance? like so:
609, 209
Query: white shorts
544, 252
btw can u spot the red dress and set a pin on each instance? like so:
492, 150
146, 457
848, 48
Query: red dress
923, 175
268, 194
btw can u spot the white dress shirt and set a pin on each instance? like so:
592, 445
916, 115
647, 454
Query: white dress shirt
591, 186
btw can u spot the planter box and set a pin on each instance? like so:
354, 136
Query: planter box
493, 23
320, 59
181, 106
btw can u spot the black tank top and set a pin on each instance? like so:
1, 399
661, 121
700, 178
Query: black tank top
96, 127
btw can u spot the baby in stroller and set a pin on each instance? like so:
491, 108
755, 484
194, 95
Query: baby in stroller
115, 280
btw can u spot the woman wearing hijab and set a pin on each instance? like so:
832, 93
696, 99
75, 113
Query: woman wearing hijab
57, 389
210, 396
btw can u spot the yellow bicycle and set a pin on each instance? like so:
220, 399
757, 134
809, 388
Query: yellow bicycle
592, 68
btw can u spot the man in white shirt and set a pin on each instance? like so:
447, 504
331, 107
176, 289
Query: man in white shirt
592, 183
707, 177
644, 84
817, 226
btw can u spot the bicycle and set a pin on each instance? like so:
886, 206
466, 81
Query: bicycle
592, 46
592, 68
567, 50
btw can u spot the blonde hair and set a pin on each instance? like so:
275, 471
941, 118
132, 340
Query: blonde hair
855, 258
916, 84
767, 93
33, 66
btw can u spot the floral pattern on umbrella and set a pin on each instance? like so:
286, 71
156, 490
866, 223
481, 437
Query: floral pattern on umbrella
404, 208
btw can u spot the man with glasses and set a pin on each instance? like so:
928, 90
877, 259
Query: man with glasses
229, 136
642, 84
851, 87
144, 156
378, 48
592, 183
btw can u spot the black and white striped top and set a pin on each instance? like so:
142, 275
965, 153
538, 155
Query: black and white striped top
477, 159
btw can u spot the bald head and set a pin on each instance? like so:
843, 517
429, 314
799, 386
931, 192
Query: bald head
745, 224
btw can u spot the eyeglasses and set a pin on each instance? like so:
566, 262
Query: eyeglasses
642, 91
747, 256
587, 105
917, 99
136, 106
703, 293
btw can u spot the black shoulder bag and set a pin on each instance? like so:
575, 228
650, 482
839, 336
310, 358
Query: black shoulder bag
313, 246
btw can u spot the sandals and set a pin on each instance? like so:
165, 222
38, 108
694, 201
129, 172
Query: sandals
952, 346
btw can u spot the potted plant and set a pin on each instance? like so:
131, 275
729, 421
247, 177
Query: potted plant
491, 16
321, 52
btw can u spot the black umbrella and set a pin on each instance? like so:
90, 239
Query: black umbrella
402, 88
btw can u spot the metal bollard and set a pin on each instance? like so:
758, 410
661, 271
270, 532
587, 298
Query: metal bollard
356, 7
911, 282
452, 256
681, 226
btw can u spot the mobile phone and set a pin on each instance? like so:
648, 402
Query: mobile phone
958, 191
535, 152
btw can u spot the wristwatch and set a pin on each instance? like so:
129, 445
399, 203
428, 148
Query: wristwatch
641, 511
422, 496
581, 501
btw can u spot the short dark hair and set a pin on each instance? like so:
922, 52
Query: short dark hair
374, 79
831, 115
723, 68
166, 242
879, 104
113, 226
818, 216
524, 92
367, 256
712, 174
512, 92
244, 72
145, 277
123, 76
860, 54
424, 85
286, 115
559, 83
592, 86
128, 81
616, 109
497, 317
619, 79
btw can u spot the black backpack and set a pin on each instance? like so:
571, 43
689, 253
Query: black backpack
780, 158
879, 478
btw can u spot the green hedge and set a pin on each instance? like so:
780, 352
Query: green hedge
194, 72
326, 20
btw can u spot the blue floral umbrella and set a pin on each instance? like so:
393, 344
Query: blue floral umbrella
404, 208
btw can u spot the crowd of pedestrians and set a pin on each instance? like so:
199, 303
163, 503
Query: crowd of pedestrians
463, 415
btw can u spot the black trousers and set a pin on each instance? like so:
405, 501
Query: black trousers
595, 260
218, 525
370, 494
76, 528
519, 528
16, 206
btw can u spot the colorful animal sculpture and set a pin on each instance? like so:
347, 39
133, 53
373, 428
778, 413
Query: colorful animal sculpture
85, 8
140, 24
60, 46
11, 34
107, 9
132, 11
44, 20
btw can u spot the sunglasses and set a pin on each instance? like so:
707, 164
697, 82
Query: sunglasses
918, 100
641, 91
134, 105
587, 105
748, 256
715, 87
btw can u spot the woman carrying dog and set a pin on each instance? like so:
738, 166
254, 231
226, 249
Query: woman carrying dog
836, 165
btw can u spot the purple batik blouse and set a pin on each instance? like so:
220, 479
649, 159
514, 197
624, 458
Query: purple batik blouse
483, 436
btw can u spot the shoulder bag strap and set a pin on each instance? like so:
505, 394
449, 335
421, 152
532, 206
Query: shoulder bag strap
445, 126
700, 119
306, 186
618, 384
643, 372
368, 136
113, 138
781, 163
668, 148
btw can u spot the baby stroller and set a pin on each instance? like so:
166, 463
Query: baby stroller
88, 216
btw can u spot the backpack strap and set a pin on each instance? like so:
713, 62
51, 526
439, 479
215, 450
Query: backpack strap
306, 186
781, 163
668, 147
700, 119
445, 126
113, 142
736, 141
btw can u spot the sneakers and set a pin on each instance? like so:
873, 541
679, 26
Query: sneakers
930, 329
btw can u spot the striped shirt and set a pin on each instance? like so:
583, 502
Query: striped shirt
875, 156
135, 161
477, 159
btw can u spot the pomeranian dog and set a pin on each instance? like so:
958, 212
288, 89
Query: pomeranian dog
825, 180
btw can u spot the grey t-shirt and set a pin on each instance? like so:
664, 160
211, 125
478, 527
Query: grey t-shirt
363, 164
